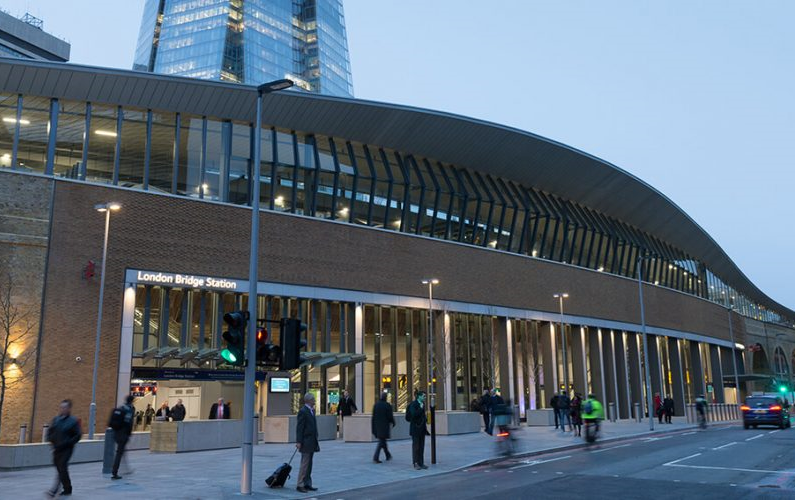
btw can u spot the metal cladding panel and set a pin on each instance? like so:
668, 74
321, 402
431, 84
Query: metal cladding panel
502, 151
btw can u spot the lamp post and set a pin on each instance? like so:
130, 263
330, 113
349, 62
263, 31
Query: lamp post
734, 355
107, 208
430, 282
649, 401
251, 340
560, 296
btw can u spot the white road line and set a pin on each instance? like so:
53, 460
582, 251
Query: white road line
655, 439
538, 461
672, 463
723, 446
689, 433
755, 437
772, 432
610, 448
779, 472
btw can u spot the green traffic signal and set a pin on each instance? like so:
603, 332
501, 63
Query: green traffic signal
782, 389
235, 337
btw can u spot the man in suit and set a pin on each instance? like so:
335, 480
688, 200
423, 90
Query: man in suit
382, 423
415, 415
219, 410
306, 442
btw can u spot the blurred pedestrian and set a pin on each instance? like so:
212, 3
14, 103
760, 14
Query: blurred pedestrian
553, 404
564, 405
659, 410
576, 413
306, 442
415, 415
668, 405
178, 411
383, 421
149, 415
163, 413
63, 434
485, 410
121, 421
219, 410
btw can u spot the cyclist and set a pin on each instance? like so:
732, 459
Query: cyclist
701, 410
592, 413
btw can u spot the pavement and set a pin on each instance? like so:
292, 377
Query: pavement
723, 461
338, 467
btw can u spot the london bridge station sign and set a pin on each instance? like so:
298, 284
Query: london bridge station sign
187, 281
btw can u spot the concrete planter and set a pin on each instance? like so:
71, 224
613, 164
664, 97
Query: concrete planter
281, 429
358, 428
457, 422
40, 454
186, 436
540, 417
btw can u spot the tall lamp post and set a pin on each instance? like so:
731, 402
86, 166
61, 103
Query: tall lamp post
107, 208
430, 282
251, 340
560, 296
734, 355
649, 401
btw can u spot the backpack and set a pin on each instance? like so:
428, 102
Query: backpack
118, 418
587, 407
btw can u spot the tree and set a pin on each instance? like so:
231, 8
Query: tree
17, 323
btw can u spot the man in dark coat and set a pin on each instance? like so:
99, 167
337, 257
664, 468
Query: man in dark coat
668, 405
485, 410
178, 411
219, 410
553, 404
564, 407
306, 442
122, 434
415, 415
347, 406
382, 422
63, 434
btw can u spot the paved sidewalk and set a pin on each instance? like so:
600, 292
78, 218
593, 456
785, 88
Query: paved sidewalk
338, 466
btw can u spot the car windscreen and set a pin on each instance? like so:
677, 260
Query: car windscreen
759, 401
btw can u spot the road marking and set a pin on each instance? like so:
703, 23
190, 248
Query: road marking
610, 448
779, 472
723, 446
672, 463
772, 432
654, 439
538, 461
689, 433
755, 437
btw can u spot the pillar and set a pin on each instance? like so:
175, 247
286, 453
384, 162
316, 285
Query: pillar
505, 354
677, 376
697, 367
596, 364
609, 364
620, 349
636, 375
655, 367
717, 373
358, 379
549, 350
444, 360
578, 362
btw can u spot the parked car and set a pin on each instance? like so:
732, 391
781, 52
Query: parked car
765, 409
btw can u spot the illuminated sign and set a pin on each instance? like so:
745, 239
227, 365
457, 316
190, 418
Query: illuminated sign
280, 385
192, 281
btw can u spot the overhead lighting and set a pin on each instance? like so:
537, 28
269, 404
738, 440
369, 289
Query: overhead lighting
434, 281
563, 295
656, 282
535, 253
11, 120
493, 244
107, 133
601, 268
343, 211
279, 201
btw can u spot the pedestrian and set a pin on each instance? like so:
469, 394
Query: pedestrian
668, 405
485, 410
346, 407
564, 405
121, 421
495, 402
415, 415
306, 442
149, 415
219, 410
163, 413
178, 411
139, 419
576, 413
592, 414
553, 404
659, 411
63, 434
383, 421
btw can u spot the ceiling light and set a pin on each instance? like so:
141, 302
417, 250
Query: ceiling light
107, 133
11, 120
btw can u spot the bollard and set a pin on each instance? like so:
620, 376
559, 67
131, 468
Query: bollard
689, 408
611, 411
723, 412
636, 407
110, 452
23, 433
45, 430
256, 429
517, 418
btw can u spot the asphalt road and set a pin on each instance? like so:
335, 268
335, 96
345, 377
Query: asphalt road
721, 462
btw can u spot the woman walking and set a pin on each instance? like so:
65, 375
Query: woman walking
576, 414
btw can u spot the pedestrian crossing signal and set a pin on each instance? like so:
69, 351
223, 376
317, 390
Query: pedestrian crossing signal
235, 337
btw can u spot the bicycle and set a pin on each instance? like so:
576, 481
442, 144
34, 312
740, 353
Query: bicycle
591, 430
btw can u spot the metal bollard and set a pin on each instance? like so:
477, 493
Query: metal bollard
110, 452
255, 441
611, 411
689, 412
45, 430
636, 407
517, 417
23, 433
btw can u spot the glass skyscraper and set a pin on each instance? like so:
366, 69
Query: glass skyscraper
248, 41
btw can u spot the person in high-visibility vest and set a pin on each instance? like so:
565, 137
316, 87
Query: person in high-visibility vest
592, 412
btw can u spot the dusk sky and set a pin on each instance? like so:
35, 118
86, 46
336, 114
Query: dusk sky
694, 98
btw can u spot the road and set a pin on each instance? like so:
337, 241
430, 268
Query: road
721, 462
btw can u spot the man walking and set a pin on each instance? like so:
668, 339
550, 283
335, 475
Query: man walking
382, 422
564, 406
121, 421
485, 410
178, 411
64, 433
219, 410
553, 404
345, 408
415, 415
668, 406
306, 442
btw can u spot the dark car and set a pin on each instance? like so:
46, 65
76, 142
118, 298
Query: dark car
765, 409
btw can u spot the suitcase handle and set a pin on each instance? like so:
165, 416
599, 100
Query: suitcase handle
291, 457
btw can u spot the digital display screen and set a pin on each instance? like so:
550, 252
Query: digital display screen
280, 385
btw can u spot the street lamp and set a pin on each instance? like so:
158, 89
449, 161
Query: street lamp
107, 208
561, 296
734, 355
430, 282
649, 402
251, 341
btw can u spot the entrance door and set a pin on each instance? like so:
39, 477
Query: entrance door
191, 399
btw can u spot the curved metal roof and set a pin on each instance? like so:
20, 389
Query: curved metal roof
476, 144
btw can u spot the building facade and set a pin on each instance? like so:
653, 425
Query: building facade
248, 41
361, 202
25, 38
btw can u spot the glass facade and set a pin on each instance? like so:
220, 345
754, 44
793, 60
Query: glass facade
338, 179
248, 41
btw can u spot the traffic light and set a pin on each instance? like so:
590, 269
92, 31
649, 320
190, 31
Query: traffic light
235, 337
267, 353
292, 329
783, 388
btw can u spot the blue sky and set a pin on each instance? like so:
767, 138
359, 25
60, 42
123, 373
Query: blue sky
695, 98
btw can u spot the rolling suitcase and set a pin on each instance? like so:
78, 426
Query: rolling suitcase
281, 474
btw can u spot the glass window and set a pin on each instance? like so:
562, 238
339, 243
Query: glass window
190, 152
364, 186
33, 134
240, 164
101, 144
8, 112
399, 186
133, 147
161, 156
215, 159
304, 175
383, 190
345, 179
285, 172
325, 197
69, 139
